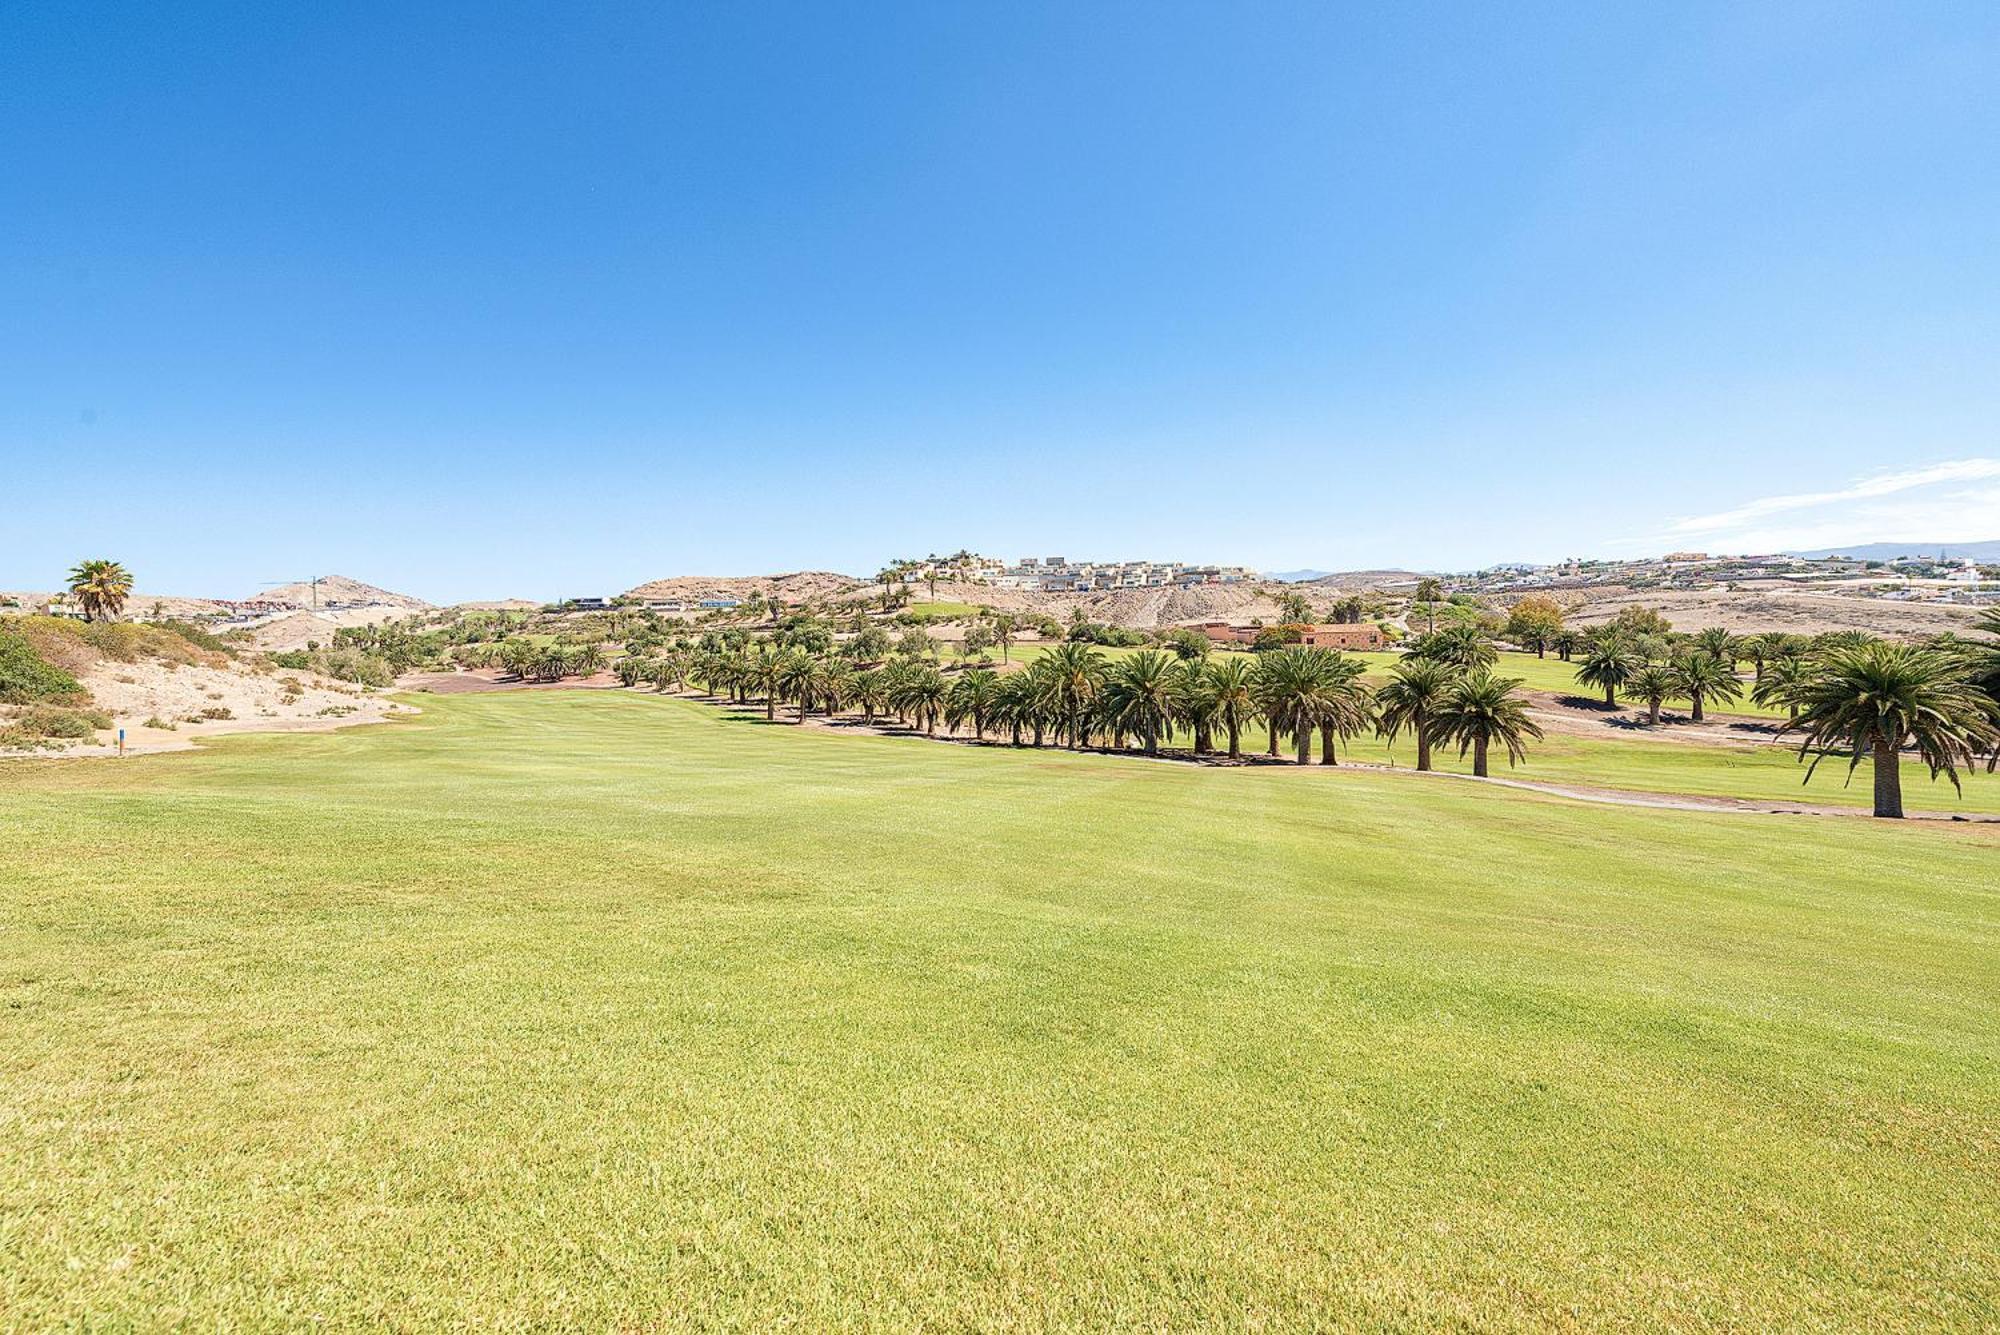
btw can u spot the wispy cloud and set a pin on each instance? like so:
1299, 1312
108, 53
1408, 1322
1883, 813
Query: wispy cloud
1867, 488
1934, 503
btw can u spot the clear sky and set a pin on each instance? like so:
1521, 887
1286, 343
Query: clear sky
490, 300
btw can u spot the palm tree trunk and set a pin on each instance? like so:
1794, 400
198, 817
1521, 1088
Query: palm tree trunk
1304, 739
1479, 757
1695, 697
771, 707
1326, 753
1611, 696
1423, 746
1888, 778
1653, 711
1274, 738
1235, 738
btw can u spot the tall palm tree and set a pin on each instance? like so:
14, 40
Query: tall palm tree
1139, 697
1484, 709
1232, 682
1414, 698
1349, 709
1429, 590
1299, 684
1077, 672
101, 587
1194, 703
921, 691
1608, 663
1872, 701
1703, 676
765, 674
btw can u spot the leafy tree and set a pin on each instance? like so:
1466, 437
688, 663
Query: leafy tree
1534, 621
1871, 702
1641, 621
1482, 710
101, 587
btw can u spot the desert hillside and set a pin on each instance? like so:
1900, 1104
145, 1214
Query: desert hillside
339, 589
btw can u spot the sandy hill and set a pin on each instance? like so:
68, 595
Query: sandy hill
139, 605
340, 589
799, 586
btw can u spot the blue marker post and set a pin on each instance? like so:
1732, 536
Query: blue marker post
121, 741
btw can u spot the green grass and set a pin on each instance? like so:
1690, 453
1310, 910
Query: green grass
608, 1010
947, 610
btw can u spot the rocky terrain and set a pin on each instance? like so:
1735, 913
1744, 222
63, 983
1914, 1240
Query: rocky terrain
339, 589
799, 586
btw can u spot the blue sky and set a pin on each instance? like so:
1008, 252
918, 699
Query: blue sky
495, 300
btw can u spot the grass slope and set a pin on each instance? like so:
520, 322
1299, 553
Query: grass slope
610, 1010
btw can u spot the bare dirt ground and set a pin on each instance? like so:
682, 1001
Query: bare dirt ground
160, 705
1795, 611
295, 630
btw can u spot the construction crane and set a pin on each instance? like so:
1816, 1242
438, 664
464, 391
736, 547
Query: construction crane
313, 583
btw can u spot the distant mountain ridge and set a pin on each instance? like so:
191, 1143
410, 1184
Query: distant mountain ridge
1889, 551
1297, 576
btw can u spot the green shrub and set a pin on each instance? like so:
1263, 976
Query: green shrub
214, 713
55, 721
26, 677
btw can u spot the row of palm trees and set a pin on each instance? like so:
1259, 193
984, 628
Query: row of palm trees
1077, 696
533, 660
1844, 695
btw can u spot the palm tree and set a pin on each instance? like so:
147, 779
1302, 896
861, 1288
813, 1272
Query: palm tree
1567, 642
1349, 709
920, 690
867, 689
1194, 703
1872, 701
1077, 675
1608, 664
1429, 590
1726, 648
1004, 627
1139, 697
1655, 683
1413, 698
972, 700
1702, 676
1299, 685
1484, 709
101, 587
765, 673
1294, 607
1461, 647
1783, 682
588, 661
1232, 682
